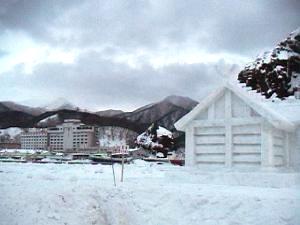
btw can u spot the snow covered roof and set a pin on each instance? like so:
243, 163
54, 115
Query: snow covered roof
282, 114
161, 131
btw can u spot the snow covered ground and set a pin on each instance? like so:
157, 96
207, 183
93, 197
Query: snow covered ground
150, 194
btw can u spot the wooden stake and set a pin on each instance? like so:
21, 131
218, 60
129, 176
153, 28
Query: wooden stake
112, 166
122, 167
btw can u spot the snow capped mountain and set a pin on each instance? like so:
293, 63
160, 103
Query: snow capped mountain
60, 103
275, 73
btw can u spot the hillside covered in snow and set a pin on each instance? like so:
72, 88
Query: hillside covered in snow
275, 73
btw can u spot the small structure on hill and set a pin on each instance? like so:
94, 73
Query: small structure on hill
235, 126
156, 139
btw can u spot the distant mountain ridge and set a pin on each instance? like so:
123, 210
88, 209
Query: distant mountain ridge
12, 106
165, 113
180, 101
109, 112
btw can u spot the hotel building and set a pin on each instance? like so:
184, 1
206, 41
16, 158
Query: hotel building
72, 135
34, 139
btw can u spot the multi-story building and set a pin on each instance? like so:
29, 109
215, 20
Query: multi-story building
71, 135
56, 138
34, 139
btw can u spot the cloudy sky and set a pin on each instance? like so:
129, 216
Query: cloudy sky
102, 54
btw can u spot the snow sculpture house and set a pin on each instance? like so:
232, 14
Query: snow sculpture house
234, 127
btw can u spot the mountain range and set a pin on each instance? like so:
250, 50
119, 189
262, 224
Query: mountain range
165, 113
12, 106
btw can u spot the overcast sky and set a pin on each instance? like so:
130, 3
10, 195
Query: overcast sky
101, 54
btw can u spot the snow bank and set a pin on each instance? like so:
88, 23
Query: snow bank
151, 194
23, 151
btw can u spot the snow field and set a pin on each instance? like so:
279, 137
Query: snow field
151, 194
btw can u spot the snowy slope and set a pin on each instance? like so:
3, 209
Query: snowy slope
113, 136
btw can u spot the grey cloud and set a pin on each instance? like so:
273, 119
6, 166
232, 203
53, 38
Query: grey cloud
32, 16
123, 26
237, 26
251, 26
95, 82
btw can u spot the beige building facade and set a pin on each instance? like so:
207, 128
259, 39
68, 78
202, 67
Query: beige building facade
34, 139
72, 135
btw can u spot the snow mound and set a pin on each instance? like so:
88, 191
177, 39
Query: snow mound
151, 194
